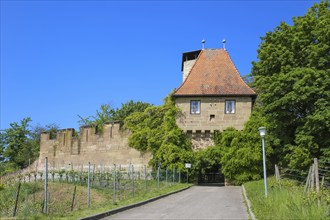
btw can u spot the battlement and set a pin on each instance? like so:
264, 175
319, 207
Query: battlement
91, 144
87, 133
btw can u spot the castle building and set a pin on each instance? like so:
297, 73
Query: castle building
212, 96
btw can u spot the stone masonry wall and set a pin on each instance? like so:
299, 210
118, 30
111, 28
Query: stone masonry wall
187, 66
200, 127
107, 148
111, 145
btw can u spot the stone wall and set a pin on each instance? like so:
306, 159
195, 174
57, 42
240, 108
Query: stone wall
187, 66
107, 147
200, 127
111, 145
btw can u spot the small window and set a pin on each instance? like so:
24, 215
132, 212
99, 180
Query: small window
212, 117
230, 107
195, 107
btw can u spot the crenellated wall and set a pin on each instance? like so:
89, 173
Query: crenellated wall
107, 147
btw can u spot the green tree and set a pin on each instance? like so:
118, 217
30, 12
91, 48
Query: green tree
17, 144
241, 151
108, 114
102, 116
155, 130
20, 144
292, 78
208, 159
34, 138
128, 108
38, 129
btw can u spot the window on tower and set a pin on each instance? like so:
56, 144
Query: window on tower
195, 107
230, 107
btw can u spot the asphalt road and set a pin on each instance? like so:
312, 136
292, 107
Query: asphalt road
198, 202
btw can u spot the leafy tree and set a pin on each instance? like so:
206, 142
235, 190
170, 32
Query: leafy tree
241, 151
34, 137
217, 137
104, 115
292, 77
128, 108
208, 159
38, 129
108, 114
155, 130
15, 140
20, 143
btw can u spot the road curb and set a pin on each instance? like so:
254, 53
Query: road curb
248, 204
114, 211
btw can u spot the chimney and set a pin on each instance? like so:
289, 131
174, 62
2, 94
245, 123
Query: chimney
188, 61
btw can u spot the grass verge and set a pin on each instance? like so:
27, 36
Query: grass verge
289, 202
60, 199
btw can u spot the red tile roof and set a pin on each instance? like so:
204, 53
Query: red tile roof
214, 74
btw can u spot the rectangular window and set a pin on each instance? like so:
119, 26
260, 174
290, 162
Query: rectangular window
195, 107
230, 107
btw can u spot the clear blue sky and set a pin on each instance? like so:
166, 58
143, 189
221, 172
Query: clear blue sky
64, 58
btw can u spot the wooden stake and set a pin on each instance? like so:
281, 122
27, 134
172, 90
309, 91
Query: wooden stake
17, 197
73, 197
317, 181
312, 177
307, 185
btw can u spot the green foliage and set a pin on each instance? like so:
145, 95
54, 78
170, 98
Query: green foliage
19, 144
38, 129
128, 108
217, 137
155, 130
208, 159
292, 78
242, 152
108, 114
101, 117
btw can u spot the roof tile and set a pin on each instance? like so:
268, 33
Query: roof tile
214, 73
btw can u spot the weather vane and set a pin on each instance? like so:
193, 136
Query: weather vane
224, 44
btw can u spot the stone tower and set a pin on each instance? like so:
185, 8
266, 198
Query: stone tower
212, 96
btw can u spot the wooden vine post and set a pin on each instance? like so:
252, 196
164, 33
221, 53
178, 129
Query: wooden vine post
317, 181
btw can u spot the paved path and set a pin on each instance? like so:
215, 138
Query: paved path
198, 202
